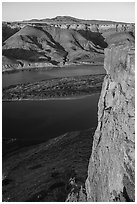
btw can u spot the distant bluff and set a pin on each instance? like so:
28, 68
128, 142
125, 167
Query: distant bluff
68, 22
57, 42
53, 46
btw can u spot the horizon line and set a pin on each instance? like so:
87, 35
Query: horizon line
21, 20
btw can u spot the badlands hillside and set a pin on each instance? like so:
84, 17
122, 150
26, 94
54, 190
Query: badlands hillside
57, 42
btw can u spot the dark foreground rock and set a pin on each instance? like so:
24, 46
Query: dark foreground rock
49, 171
111, 171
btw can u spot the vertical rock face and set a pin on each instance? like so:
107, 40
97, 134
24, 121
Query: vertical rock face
111, 168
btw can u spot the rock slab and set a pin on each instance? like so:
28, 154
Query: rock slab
111, 171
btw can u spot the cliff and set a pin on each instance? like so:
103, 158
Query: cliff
97, 27
111, 171
68, 22
90, 25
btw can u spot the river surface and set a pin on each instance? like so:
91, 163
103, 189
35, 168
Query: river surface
37, 121
34, 75
29, 122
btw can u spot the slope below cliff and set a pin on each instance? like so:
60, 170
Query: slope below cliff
111, 171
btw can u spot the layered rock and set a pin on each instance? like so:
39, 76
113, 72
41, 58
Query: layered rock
115, 27
111, 171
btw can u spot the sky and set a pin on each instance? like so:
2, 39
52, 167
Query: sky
115, 11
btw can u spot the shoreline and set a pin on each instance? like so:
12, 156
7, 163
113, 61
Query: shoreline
52, 98
47, 67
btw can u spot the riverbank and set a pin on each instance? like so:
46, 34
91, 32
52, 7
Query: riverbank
44, 66
52, 99
65, 87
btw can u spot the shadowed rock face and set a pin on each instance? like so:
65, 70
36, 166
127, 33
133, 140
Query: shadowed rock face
111, 171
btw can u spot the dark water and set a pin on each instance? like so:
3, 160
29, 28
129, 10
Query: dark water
28, 122
36, 121
32, 76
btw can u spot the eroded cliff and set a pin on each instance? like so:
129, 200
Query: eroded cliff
57, 42
111, 171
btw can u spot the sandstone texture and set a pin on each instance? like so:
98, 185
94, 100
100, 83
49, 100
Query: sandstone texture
111, 171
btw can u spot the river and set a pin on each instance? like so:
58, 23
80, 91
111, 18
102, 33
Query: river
30, 122
41, 74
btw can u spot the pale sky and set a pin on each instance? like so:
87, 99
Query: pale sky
115, 11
